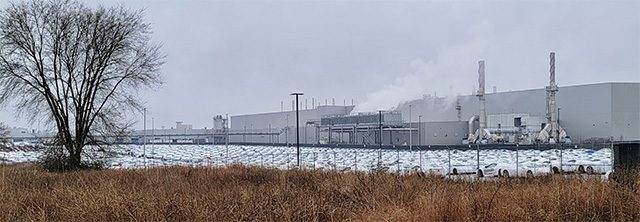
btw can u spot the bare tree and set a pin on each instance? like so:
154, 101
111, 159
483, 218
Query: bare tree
77, 67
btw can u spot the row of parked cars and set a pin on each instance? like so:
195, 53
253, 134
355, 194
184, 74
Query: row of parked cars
530, 169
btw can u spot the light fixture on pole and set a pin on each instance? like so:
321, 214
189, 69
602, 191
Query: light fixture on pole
297, 126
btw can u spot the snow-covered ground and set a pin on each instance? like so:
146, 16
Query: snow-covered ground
492, 162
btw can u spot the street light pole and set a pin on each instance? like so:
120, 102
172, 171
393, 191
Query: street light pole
226, 141
297, 126
144, 137
153, 135
419, 129
213, 131
270, 136
380, 134
410, 132
380, 138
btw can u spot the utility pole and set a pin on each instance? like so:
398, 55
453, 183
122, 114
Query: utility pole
380, 134
270, 136
153, 135
380, 138
144, 136
410, 132
226, 129
297, 127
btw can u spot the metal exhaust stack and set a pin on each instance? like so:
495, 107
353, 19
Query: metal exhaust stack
553, 89
480, 94
482, 132
552, 132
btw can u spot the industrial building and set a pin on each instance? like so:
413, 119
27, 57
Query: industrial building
593, 112
590, 113
600, 112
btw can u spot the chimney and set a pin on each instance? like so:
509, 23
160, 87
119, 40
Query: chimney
480, 94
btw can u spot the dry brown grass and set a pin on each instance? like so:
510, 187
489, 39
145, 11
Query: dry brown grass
255, 194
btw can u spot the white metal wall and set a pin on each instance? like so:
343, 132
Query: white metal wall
601, 110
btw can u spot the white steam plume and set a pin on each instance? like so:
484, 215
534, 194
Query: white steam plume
454, 71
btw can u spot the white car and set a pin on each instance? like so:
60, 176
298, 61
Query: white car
494, 169
488, 170
462, 169
582, 167
522, 170
530, 170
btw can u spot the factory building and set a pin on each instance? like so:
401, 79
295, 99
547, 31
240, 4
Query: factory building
279, 127
182, 133
602, 111
588, 113
591, 113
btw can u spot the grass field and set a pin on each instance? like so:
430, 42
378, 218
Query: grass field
257, 194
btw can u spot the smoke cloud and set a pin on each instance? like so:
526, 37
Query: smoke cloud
454, 71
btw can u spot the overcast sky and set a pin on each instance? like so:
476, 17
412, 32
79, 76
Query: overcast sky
242, 57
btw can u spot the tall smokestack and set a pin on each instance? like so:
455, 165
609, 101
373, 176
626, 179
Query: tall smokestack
480, 94
552, 69
552, 89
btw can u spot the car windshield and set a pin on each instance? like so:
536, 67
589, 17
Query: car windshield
491, 165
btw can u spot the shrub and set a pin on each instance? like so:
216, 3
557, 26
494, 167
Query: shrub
55, 159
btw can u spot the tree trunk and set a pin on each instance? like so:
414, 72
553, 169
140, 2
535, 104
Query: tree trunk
74, 160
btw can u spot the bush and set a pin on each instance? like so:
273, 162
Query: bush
55, 159
627, 177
